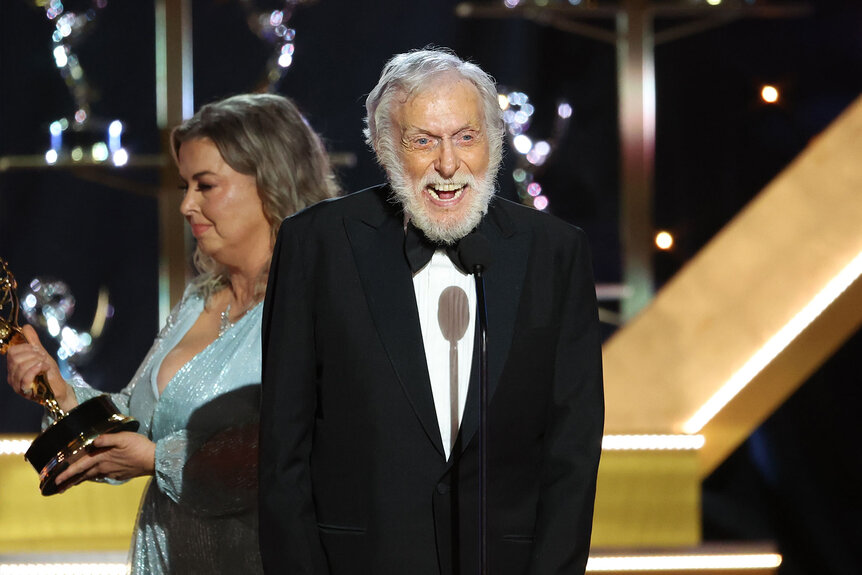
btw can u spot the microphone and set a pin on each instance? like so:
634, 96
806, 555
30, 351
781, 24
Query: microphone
453, 315
475, 253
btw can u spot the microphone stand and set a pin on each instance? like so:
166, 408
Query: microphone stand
476, 254
483, 419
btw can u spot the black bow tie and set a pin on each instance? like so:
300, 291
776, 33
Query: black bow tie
418, 249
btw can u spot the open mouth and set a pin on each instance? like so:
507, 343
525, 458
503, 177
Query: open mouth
446, 192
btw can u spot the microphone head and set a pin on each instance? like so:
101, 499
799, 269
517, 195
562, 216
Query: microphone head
474, 250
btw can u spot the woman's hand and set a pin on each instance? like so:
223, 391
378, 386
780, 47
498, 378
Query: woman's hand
120, 456
24, 361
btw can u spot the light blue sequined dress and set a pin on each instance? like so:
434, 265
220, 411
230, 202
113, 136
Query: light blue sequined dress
199, 512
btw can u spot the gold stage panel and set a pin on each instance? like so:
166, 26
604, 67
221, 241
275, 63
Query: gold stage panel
647, 499
747, 320
90, 516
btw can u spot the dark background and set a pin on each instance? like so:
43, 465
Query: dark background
795, 481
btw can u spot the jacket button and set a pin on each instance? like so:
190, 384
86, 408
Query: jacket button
442, 488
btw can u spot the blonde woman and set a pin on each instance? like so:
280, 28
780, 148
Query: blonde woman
246, 163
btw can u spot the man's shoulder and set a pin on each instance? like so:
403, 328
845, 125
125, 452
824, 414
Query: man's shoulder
370, 202
371, 205
520, 217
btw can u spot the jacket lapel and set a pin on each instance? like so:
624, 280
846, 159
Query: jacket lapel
377, 241
504, 280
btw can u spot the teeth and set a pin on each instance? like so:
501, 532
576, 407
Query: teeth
446, 187
433, 192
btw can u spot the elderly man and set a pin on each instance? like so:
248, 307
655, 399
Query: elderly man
369, 444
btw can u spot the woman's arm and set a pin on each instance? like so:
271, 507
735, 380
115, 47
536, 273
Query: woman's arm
25, 361
116, 456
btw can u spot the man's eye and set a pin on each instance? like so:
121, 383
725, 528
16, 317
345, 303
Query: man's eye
422, 142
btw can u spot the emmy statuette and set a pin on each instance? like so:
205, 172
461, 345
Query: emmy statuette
71, 434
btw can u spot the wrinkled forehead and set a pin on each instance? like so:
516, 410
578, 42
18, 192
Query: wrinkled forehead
434, 83
440, 92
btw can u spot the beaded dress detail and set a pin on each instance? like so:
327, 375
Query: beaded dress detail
199, 511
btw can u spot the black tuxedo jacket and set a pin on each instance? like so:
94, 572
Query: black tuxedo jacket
353, 478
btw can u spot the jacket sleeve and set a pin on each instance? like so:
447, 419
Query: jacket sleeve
289, 538
574, 434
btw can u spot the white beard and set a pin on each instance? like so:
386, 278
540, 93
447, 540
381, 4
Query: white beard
444, 229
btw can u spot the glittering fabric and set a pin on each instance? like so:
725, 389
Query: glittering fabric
199, 512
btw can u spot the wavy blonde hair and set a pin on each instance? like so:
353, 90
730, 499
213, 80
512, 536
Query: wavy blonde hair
265, 136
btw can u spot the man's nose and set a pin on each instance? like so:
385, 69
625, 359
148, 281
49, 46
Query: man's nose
448, 162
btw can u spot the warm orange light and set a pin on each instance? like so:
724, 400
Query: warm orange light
663, 240
769, 94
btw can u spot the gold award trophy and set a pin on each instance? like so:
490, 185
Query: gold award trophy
68, 438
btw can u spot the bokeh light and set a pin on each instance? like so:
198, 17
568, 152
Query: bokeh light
272, 27
120, 157
285, 60
769, 94
534, 189
522, 143
539, 153
540, 202
664, 240
115, 129
100, 151
542, 147
60, 56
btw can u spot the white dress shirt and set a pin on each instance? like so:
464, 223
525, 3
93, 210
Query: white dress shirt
449, 396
